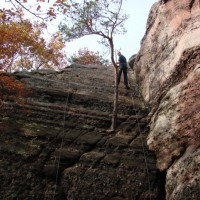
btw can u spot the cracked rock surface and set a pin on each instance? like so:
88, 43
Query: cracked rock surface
57, 145
168, 73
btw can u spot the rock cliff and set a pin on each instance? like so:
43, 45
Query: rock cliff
167, 68
56, 144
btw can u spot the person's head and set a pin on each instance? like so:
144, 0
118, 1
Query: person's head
119, 53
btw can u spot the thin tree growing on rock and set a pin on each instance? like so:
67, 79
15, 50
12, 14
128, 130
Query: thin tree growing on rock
96, 17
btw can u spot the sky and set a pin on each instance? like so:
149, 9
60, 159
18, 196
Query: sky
129, 43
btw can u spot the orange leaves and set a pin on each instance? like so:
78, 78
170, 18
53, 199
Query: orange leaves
10, 88
13, 37
22, 45
6, 15
86, 57
38, 8
51, 12
64, 10
43, 9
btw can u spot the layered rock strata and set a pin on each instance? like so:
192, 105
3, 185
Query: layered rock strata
56, 145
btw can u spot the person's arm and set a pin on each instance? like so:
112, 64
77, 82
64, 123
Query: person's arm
118, 63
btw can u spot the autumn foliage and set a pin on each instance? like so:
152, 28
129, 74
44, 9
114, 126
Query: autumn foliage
10, 89
22, 45
86, 57
42, 9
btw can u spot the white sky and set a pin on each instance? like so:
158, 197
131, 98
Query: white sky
128, 43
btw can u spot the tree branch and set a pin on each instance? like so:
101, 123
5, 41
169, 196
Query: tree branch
27, 9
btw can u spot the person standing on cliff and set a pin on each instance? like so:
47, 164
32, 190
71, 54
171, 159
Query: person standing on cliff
122, 68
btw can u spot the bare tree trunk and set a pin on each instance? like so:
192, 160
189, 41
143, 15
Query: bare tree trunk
115, 102
115, 98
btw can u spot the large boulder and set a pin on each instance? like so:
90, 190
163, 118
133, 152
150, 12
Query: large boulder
131, 61
168, 73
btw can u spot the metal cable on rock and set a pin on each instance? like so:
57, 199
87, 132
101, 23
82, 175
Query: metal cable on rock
61, 145
143, 148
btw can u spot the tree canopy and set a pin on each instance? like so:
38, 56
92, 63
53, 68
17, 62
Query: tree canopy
94, 17
41, 9
86, 57
23, 44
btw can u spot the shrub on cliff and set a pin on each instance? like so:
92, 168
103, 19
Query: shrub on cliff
86, 57
10, 89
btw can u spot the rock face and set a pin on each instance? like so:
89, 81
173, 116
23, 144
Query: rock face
56, 145
168, 73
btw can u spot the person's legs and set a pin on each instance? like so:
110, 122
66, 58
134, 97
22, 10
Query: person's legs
125, 78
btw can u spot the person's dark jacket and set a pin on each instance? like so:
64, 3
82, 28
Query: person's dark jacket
122, 61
